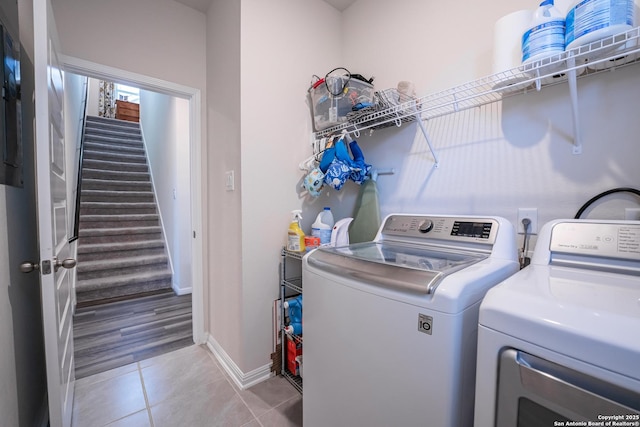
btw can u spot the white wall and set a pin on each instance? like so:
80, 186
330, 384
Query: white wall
224, 293
157, 38
284, 43
165, 125
506, 155
93, 96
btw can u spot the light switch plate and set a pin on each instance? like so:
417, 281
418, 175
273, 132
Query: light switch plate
229, 181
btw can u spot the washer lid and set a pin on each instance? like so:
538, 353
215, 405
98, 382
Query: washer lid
593, 316
415, 268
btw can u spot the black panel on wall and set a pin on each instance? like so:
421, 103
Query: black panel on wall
11, 172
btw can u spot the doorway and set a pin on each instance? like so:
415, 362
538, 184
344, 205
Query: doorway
192, 97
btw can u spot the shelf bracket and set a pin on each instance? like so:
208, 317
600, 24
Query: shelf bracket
573, 91
426, 137
538, 81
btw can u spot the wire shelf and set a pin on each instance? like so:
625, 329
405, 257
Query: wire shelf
295, 380
292, 254
294, 283
603, 55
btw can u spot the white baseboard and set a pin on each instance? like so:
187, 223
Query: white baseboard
241, 379
181, 291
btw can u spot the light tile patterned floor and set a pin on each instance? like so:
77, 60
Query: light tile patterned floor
186, 387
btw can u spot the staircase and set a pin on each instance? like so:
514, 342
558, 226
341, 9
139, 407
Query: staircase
121, 251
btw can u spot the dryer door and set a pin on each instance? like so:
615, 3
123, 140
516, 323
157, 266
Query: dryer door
534, 392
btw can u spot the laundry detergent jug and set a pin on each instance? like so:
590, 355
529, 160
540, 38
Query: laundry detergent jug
323, 226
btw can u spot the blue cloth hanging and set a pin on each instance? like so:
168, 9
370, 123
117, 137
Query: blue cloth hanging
341, 166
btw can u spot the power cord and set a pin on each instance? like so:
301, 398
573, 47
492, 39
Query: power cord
603, 194
524, 259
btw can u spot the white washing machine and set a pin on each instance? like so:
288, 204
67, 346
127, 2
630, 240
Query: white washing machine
390, 326
559, 342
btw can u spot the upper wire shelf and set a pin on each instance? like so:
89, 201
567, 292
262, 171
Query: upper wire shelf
603, 55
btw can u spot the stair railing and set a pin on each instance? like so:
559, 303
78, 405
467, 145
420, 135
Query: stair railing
76, 221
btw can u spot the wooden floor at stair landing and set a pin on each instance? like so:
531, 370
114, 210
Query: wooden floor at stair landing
116, 334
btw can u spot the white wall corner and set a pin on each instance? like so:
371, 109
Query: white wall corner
241, 379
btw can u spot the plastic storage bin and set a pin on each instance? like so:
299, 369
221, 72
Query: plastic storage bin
332, 99
294, 349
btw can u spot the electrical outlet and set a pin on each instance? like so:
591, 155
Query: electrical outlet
632, 214
532, 214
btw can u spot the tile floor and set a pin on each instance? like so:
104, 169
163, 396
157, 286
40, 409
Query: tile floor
186, 387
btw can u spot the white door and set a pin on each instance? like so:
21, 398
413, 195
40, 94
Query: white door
52, 216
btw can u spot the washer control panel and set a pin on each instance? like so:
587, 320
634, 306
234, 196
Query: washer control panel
461, 229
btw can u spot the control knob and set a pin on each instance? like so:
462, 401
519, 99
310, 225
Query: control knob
425, 226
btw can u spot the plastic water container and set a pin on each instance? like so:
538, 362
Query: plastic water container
591, 20
323, 226
294, 306
546, 35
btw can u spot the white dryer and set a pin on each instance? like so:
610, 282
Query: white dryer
559, 342
390, 326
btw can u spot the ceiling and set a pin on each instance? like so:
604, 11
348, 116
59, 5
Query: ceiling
203, 5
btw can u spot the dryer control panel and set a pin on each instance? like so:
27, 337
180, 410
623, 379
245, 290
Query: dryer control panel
621, 241
455, 229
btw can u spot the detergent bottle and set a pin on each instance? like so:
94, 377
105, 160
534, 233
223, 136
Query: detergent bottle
295, 241
323, 226
294, 306
545, 35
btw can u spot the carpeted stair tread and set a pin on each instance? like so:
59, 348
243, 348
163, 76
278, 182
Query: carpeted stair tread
94, 238
120, 263
92, 127
119, 231
93, 208
118, 175
117, 281
110, 145
113, 249
118, 185
110, 268
113, 134
134, 143
119, 246
115, 166
107, 195
104, 123
95, 153
108, 217
120, 221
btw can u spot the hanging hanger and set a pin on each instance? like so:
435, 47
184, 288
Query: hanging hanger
330, 141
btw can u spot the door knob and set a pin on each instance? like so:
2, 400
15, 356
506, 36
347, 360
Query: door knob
28, 267
65, 263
